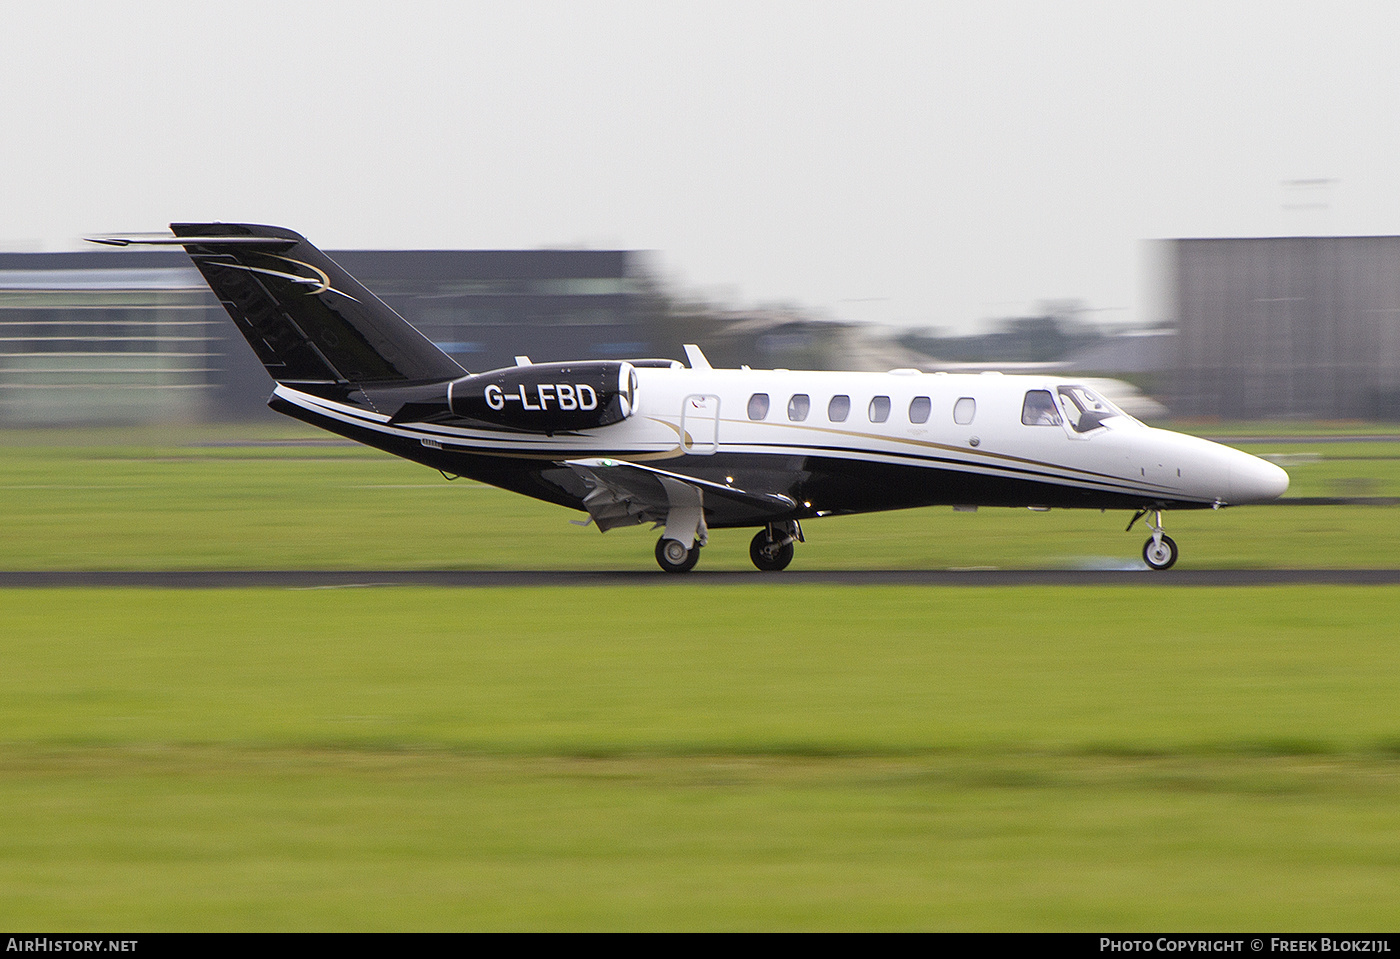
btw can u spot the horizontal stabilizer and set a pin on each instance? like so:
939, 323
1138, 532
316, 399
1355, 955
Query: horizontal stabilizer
161, 239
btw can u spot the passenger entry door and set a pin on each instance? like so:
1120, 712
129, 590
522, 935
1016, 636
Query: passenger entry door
700, 423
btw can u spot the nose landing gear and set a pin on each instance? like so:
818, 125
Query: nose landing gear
1160, 551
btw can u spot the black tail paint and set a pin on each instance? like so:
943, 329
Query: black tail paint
310, 323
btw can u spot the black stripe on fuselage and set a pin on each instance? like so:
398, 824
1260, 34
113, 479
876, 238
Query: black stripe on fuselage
1038, 469
1041, 471
974, 468
843, 481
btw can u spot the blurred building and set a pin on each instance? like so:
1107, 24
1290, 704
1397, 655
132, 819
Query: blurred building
782, 338
1305, 327
129, 337
94, 338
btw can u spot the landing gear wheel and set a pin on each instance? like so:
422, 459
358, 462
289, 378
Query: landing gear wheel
768, 557
674, 557
1159, 555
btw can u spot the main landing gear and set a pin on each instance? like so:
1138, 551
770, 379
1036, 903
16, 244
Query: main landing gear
675, 557
772, 549
1159, 552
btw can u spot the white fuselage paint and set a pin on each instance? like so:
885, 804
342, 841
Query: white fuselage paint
698, 412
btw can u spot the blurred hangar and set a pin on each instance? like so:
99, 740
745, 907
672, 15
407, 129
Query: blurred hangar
1254, 328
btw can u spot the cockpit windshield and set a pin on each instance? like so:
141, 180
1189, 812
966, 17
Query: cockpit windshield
1086, 410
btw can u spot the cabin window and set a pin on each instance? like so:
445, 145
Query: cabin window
799, 406
964, 410
919, 409
838, 409
758, 406
1039, 409
879, 409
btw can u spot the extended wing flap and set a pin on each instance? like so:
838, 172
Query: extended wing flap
620, 496
614, 504
624, 494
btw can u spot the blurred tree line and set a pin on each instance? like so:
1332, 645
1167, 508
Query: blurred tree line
1056, 334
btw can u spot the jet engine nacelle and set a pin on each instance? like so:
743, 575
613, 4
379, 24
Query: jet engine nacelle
548, 397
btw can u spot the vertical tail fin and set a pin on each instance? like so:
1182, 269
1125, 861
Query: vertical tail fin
309, 321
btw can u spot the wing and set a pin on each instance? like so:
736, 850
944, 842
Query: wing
624, 494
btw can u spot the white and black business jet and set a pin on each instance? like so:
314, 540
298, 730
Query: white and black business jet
693, 449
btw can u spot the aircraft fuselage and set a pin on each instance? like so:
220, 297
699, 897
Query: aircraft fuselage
836, 442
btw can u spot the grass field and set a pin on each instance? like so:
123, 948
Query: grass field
677, 755
692, 757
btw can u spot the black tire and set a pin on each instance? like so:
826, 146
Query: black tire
668, 555
766, 557
1163, 558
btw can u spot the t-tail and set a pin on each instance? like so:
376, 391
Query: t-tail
313, 326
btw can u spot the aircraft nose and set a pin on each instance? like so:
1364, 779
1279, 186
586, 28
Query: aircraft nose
1253, 480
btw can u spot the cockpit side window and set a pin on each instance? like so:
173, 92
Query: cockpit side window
1086, 409
1039, 409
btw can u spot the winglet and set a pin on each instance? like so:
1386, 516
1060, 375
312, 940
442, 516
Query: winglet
696, 358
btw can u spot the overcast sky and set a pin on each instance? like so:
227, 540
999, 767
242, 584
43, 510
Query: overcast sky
922, 162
